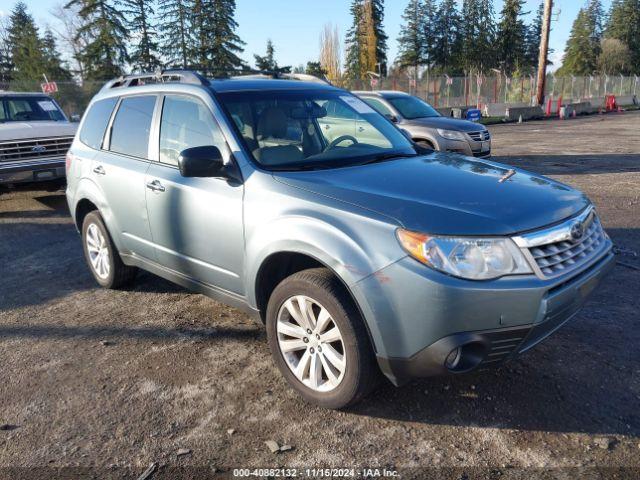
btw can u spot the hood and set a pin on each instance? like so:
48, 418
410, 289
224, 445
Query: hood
447, 194
24, 130
446, 123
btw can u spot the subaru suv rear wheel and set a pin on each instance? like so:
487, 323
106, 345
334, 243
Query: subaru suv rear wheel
102, 256
319, 341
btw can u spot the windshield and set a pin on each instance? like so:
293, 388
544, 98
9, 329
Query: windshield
313, 129
412, 107
23, 108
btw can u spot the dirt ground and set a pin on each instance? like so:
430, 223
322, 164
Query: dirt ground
100, 384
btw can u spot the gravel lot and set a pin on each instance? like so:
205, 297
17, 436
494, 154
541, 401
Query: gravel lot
99, 384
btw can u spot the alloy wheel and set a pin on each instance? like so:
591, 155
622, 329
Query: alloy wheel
311, 343
98, 251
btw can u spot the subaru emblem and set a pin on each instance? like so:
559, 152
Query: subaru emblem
577, 231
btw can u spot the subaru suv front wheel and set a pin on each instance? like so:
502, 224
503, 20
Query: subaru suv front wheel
318, 340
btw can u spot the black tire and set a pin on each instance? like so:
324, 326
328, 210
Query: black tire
119, 274
361, 374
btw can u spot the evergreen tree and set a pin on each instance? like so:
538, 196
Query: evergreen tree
216, 44
478, 35
55, 67
624, 24
533, 39
144, 56
175, 30
447, 48
25, 46
410, 41
366, 42
353, 42
5, 52
104, 26
580, 58
377, 13
428, 30
268, 61
315, 69
511, 38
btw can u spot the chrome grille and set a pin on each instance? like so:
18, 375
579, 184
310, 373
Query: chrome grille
563, 256
481, 136
34, 148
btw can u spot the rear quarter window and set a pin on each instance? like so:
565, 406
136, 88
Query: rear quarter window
95, 122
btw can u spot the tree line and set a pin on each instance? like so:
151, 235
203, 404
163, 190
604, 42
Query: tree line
108, 37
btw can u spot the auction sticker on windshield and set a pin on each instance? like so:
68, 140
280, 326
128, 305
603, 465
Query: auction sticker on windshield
357, 104
47, 105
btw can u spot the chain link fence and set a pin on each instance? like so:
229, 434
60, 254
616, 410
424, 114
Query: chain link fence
440, 91
445, 91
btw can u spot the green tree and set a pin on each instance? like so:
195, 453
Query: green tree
354, 42
366, 42
511, 36
315, 69
25, 46
624, 24
580, 57
447, 49
217, 46
5, 52
143, 56
104, 29
478, 35
411, 39
268, 61
55, 67
176, 43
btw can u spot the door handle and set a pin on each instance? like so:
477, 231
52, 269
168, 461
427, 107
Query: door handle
99, 170
361, 129
327, 127
155, 186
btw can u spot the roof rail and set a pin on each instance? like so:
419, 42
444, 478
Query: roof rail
159, 76
284, 74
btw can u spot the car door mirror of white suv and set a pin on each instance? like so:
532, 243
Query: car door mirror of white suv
205, 161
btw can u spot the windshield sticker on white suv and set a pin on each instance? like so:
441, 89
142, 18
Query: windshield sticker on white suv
357, 104
48, 106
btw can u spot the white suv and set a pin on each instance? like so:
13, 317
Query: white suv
34, 138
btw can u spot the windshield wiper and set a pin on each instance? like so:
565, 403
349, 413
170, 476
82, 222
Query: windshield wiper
389, 156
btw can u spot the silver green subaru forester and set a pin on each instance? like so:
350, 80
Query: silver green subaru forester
362, 253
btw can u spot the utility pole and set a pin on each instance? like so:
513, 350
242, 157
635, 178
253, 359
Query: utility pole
544, 50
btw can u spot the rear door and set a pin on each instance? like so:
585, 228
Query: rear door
120, 168
196, 223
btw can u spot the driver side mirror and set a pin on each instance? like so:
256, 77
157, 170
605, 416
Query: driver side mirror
75, 118
203, 161
391, 117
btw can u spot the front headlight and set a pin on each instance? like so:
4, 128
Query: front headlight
451, 134
470, 258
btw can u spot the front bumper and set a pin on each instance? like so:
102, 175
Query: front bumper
469, 148
32, 170
420, 316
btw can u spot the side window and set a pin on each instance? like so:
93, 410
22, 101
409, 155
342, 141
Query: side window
95, 122
3, 116
130, 130
186, 122
378, 106
339, 111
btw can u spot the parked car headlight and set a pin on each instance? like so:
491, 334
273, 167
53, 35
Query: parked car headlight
469, 258
451, 134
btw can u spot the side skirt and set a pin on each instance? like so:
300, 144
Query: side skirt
211, 291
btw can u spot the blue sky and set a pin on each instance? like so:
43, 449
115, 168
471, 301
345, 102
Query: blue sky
295, 25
